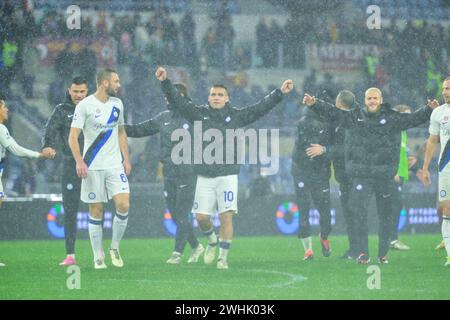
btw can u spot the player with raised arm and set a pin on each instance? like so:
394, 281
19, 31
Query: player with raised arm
179, 179
217, 183
372, 150
103, 172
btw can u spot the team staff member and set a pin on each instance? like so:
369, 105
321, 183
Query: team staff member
179, 180
372, 155
345, 100
217, 184
56, 136
7, 143
311, 170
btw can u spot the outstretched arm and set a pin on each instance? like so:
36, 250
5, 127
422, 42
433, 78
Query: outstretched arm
406, 120
186, 107
20, 151
252, 113
327, 111
12, 146
144, 129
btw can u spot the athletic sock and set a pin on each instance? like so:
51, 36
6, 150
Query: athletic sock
446, 234
120, 222
96, 235
224, 248
307, 243
211, 236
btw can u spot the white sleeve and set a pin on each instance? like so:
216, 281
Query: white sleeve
121, 121
19, 151
5, 138
79, 116
434, 123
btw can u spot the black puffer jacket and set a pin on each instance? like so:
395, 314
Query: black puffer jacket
222, 119
372, 140
310, 130
164, 123
57, 128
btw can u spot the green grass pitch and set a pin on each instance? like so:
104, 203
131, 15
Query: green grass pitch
261, 268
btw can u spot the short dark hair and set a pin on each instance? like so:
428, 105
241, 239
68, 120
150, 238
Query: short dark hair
181, 88
104, 74
220, 86
347, 98
79, 80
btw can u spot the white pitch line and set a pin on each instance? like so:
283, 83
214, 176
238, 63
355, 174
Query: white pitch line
293, 278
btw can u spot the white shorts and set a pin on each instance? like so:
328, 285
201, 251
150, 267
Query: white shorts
217, 194
444, 186
102, 185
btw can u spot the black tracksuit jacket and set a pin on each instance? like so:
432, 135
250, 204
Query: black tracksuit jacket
57, 129
227, 117
372, 140
310, 130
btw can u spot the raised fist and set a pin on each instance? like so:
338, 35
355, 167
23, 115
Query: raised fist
287, 86
161, 74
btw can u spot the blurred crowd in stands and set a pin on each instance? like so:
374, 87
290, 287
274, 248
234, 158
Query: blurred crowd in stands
412, 64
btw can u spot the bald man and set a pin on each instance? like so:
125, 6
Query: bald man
372, 149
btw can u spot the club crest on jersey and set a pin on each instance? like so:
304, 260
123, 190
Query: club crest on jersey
114, 114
